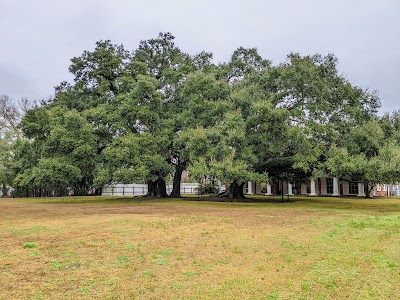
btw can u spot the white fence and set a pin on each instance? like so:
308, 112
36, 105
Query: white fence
141, 189
187, 188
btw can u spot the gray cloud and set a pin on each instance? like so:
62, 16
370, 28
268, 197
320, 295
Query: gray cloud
40, 37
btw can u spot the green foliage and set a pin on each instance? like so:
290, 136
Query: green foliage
10, 115
61, 152
133, 157
30, 245
345, 166
385, 167
155, 111
364, 154
365, 138
221, 151
207, 188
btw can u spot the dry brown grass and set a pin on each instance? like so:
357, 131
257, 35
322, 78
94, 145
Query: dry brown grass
105, 248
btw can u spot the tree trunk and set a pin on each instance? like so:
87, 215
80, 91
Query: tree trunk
5, 190
176, 187
370, 190
234, 191
156, 188
162, 188
367, 191
81, 189
151, 188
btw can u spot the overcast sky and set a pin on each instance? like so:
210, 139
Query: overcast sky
38, 38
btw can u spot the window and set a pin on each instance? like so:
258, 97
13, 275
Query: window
385, 188
378, 188
353, 188
329, 186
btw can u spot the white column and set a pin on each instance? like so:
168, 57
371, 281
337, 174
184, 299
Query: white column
345, 186
283, 185
323, 186
335, 187
312, 188
361, 190
289, 187
374, 191
269, 193
303, 189
219, 186
250, 188
257, 188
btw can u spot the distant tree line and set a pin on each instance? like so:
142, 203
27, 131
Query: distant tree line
149, 114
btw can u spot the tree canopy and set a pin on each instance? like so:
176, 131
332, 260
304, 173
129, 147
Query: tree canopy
151, 113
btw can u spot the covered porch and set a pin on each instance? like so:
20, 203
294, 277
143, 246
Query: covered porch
322, 186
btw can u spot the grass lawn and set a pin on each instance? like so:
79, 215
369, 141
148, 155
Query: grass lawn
121, 248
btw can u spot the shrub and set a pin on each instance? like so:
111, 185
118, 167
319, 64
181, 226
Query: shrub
207, 188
